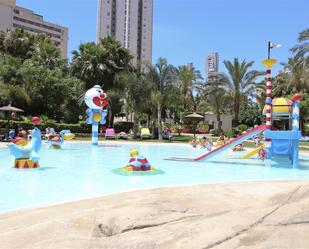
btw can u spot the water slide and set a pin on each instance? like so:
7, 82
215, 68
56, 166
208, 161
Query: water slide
253, 152
226, 146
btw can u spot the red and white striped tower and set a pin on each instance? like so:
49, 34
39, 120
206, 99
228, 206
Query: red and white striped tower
268, 108
268, 63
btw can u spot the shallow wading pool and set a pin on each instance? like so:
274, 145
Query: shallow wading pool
80, 170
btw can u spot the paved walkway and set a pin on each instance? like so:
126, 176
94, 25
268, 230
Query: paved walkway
236, 215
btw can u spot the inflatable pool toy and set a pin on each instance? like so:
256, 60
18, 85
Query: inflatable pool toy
36, 120
137, 162
219, 143
27, 156
96, 100
56, 142
21, 141
68, 136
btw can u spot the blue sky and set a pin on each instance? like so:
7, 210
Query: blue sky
187, 30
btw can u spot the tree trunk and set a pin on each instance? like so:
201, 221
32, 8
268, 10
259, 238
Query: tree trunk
111, 117
135, 126
159, 110
236, 109
219, 122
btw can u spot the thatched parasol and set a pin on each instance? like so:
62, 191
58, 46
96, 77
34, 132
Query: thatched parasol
9, 108
195, 118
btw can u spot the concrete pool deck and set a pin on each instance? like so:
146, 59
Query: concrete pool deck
272, 214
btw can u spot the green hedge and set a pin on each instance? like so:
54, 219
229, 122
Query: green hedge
123, 126
75, 128
81, 127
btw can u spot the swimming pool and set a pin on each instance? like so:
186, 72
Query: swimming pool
81, 170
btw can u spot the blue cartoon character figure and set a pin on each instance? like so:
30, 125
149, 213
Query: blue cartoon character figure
96, 100
26, 155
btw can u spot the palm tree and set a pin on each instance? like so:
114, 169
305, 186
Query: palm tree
162, 77
12, 93
240, 81
46, 54
217, 99
136, 90
260, 93
294, 78
17, 42
99, 63
302, 49
187, 79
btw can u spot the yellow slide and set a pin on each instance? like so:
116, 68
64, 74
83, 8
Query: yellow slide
253, 152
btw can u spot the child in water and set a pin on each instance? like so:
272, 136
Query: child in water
193, 142
204, 142
209, 145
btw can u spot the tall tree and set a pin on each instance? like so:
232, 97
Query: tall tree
240, 82
217, 99
99, 63
187, 78
17, 43
302, 49
294, 77
137, 90
164, 90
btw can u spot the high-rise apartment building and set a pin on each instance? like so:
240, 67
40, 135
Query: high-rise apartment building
212, 64
130, 21
12, 16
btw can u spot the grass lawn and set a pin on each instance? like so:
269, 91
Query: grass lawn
186, 138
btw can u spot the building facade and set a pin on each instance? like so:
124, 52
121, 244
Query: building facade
226, 121
212, 64
130, 21
12, 16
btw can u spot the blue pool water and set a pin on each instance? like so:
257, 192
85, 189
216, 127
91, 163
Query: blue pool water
82, 170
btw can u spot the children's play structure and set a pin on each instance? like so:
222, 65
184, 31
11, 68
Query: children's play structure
26, 154
137, 162
96, 100
281, 141
56, 142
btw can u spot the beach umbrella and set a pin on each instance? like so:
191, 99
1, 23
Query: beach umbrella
12, 109
195, 118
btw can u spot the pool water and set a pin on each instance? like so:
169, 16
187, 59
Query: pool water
82, 171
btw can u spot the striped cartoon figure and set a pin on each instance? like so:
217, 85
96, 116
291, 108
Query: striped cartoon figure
137, 162
96, 100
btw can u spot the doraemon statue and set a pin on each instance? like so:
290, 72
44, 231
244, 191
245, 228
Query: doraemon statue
96, 100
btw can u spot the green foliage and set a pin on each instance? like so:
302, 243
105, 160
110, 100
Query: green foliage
304, 112
17, 43
302, 49
164, 91
99, 63
240, 82
34, 77
27, 125
232, 133
203, 128
250, 113
294, 78
123, 126
242, 127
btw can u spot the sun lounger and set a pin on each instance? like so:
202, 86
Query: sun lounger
145, 133
110, 133
123, 135
49, 133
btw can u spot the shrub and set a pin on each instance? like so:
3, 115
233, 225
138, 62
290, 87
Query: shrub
242, 127
215, 132
82, 127
123, 126
232, 133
